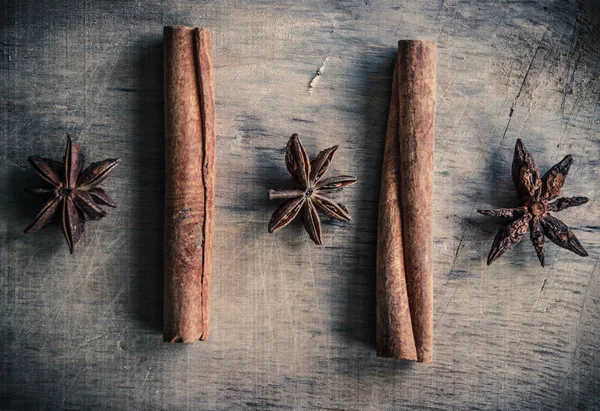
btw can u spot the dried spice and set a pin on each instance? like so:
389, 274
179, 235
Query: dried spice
538, 196
308, 197
189, 183
74, 195
404, 269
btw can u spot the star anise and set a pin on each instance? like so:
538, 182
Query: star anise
310, 189
536, 195
74, 195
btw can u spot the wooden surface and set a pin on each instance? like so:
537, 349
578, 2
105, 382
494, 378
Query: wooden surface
292, 324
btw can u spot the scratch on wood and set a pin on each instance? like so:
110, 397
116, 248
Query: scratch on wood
313, 83
539, 294
89, 340
572, 68
146, 379
543, 285
514, 104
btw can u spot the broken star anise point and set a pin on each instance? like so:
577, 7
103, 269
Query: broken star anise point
308, 197
538, 196
73, 193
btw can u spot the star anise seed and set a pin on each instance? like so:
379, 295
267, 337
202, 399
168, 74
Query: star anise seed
74, 195
308, 197
536, 194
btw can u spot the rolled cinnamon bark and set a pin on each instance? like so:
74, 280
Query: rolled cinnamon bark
189, 183
404, 248
394, 328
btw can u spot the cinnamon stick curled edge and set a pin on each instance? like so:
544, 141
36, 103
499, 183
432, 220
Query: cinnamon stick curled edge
404, 241
189, 183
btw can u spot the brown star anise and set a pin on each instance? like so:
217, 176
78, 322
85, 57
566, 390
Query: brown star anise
74, 194
536, 195
308, 196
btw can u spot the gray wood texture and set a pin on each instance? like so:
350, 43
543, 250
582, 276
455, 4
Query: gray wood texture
293, 323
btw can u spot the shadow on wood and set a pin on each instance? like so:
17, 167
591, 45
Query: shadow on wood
149, 198
376, 69
25, 206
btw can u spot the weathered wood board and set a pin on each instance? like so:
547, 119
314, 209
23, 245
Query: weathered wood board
293, 323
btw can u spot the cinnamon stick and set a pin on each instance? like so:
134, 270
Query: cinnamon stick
395, 336
404, 245
189, 185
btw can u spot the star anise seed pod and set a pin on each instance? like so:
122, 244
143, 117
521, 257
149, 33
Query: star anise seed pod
74, 195
308, 197
536, 195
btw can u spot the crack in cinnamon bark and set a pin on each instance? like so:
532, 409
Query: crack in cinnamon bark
189, 188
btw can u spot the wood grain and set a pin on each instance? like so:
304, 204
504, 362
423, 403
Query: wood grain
292, 324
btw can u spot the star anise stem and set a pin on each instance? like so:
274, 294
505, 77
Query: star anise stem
284, 194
